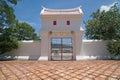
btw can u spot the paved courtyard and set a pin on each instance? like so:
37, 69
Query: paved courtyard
60, 70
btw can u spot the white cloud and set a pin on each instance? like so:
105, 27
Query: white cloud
30, 23
106, 7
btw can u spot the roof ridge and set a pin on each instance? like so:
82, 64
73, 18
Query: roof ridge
49, 11
71, 9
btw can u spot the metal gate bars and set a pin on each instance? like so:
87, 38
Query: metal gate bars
61, 49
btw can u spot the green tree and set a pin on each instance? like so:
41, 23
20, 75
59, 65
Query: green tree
7, 22
114, 47
105, 25
23, 31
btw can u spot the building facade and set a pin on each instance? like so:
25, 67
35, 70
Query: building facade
61, 33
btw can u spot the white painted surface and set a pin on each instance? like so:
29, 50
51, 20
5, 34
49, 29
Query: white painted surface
47, 24
27, 50
32, 50
61, 17
95, 49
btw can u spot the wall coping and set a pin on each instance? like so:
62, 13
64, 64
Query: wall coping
94, 40
29, 41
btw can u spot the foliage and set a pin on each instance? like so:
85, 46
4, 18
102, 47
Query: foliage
10, 29
7, 22
24, 31
114, 47
6, 46
7, 17
104, 25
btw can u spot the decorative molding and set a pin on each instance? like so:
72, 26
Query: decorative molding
71, 9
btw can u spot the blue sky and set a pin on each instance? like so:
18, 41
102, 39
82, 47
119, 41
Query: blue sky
29, 10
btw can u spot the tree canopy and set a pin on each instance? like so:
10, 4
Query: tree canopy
10, 29
23, 31
104, 25
7, 22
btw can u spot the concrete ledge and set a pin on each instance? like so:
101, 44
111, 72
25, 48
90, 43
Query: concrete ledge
23, 57
92, 57
43, 58
46, 57
2, 58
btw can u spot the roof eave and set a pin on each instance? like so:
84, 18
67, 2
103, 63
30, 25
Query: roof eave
59, 14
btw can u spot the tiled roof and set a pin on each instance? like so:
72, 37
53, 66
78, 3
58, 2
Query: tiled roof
47, 11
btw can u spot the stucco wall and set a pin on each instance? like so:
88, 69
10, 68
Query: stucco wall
47, 24
32, 50
95, 49
27, 50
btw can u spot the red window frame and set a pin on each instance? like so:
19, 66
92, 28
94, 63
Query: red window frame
54, 22
68, 22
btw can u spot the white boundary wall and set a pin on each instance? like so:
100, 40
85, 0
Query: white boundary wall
94, 49
27, 50
91, 49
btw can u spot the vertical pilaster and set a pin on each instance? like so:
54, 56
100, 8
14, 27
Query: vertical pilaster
44, 43
78, 41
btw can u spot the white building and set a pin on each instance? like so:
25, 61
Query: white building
61, 35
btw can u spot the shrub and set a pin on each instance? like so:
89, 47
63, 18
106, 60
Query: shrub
114, 47
6, 46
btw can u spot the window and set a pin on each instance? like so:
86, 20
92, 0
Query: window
54, 22
68, 23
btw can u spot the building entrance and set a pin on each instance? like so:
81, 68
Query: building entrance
61, 49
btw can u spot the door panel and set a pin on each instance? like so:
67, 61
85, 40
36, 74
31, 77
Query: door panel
67, 49
56, 49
